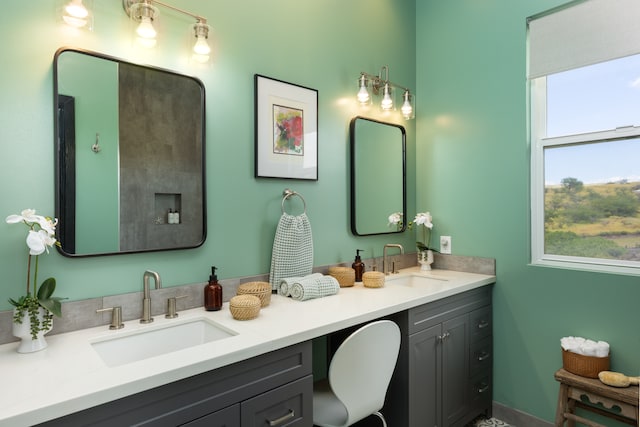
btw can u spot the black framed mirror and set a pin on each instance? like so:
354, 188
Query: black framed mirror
130, 156
378, 175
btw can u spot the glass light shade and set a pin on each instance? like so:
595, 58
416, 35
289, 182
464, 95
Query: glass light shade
201, 49
364, 97
75, 14
387, 101
142, 17
407, 106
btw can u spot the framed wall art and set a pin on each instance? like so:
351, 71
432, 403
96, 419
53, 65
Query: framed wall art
286, 127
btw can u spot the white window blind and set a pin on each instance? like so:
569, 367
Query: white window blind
583, 33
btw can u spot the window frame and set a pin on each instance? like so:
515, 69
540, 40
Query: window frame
538, 142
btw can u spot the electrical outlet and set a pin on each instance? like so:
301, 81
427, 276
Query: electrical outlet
445, 244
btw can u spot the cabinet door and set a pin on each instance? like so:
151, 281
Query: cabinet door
290, 405
227, 417
425, 378
455, 369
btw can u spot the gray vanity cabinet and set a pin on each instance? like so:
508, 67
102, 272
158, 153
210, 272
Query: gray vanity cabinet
274, 389
444, 371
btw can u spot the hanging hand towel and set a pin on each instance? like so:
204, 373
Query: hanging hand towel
314, 287
292, 253
284, 288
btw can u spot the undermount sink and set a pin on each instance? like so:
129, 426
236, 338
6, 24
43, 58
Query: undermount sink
155, 340
433, 282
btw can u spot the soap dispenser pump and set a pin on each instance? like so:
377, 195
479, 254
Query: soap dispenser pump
213, 293
358, 265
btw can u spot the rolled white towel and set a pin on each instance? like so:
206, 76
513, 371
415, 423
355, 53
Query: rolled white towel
585, 347
314, 287
284, 287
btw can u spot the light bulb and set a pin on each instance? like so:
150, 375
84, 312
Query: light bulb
75, 13
201, 47
387, 102
145, 29
407, 108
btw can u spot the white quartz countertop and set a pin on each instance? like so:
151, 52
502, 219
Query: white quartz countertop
69, 376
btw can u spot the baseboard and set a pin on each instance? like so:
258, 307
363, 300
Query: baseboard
517, 418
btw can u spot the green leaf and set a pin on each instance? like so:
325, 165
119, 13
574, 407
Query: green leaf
53, 305
46, 289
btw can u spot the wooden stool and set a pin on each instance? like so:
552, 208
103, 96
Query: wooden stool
573, 387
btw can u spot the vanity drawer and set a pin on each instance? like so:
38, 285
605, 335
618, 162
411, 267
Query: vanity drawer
481, 390
290, 405
481, 323
481, 356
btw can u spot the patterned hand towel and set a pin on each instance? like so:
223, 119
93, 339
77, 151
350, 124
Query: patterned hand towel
292, 253
315, 287
284, 288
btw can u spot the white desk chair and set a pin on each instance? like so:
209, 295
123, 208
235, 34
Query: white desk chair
359, 375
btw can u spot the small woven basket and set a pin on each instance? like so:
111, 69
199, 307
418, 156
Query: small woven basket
373, 279
244, 307
346, 276
585, 366
260, 289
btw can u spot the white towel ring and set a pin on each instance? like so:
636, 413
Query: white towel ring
288, 193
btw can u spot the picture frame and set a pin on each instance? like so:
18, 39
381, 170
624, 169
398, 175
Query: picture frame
286, 130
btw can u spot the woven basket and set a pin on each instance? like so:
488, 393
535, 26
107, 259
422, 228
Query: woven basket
346, 276
585, 366
244, 307
260, 289
373, 279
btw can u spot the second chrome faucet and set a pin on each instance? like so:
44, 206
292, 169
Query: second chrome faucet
385, 261
146, 300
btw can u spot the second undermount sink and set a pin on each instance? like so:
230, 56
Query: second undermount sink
155, 340
423, 281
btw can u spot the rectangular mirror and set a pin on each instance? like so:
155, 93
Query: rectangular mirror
130, 144
378, 175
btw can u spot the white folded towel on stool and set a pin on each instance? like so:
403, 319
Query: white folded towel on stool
586, 347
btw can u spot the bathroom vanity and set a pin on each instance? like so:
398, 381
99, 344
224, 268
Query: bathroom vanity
261, 370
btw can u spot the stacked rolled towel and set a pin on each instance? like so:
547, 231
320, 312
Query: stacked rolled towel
585, 347
313, 287
284, 287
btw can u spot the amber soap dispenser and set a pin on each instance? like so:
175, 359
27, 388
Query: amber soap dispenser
358, 265
213, 293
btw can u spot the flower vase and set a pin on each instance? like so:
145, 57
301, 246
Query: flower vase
425, 259
23, 331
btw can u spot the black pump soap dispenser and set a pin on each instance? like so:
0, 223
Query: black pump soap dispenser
213, 293
358, 265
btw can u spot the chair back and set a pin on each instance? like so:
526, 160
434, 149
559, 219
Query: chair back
361, 368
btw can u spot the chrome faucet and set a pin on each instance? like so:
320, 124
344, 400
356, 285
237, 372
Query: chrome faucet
146, 301
385, 262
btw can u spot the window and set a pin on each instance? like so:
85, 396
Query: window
585, 136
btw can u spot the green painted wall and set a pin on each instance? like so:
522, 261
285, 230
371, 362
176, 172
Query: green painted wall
472, 162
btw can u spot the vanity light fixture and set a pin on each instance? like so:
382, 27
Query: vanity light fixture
76, 14
145, 13
369, 85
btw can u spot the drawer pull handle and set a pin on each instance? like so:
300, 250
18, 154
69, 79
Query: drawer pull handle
283, 418
483, 388
483, 324
483, 356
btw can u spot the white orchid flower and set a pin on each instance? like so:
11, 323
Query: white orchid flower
395, 218
39, 242
48, 224
27, 215
424, 218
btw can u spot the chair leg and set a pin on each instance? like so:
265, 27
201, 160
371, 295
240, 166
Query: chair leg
379, 415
